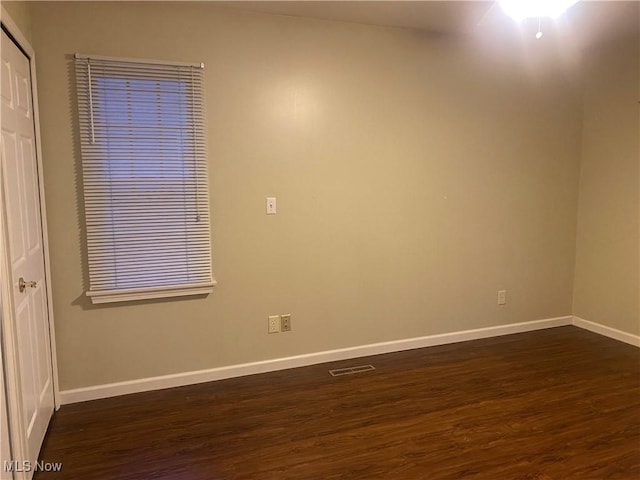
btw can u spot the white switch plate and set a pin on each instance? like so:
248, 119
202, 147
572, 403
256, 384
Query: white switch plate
271, 205
274, 323
502, 297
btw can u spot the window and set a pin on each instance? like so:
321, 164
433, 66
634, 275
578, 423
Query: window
145, 178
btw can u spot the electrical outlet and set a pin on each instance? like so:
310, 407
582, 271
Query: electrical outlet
502, 297
274, 323
285, 322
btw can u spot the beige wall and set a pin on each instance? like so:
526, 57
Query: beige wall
607, 283
19, 12
415, 177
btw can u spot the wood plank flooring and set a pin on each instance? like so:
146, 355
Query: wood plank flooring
557, 404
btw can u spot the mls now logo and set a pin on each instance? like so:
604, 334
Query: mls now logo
27, 466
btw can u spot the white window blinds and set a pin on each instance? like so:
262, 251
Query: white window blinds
145, 178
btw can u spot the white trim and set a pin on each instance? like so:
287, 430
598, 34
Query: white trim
600, 329
201, 376
126, 295
45, 228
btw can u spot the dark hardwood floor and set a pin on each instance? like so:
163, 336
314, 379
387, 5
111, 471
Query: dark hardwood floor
556, 404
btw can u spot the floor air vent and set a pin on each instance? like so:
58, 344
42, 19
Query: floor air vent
349, 370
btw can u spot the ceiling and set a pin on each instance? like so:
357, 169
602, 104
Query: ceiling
441, 17
587, 22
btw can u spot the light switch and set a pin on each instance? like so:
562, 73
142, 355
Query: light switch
271, 205
502, 297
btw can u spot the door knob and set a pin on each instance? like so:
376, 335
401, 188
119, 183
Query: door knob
22, 285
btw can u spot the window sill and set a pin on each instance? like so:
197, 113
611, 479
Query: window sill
133, 294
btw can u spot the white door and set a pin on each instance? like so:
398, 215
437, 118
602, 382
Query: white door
26, 250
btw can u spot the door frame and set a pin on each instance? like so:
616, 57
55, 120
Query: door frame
7, 312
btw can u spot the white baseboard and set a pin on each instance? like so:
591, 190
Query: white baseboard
201, 376
607, 331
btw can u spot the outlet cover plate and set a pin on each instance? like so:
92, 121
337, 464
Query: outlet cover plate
274, 323
285, 322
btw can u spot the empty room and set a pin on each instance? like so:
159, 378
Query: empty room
311, 240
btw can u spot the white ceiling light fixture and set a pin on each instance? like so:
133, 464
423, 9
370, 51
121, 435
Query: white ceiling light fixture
520, 10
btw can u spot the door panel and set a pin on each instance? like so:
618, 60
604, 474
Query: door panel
31, 196
12, 170
22, 207
29, 402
